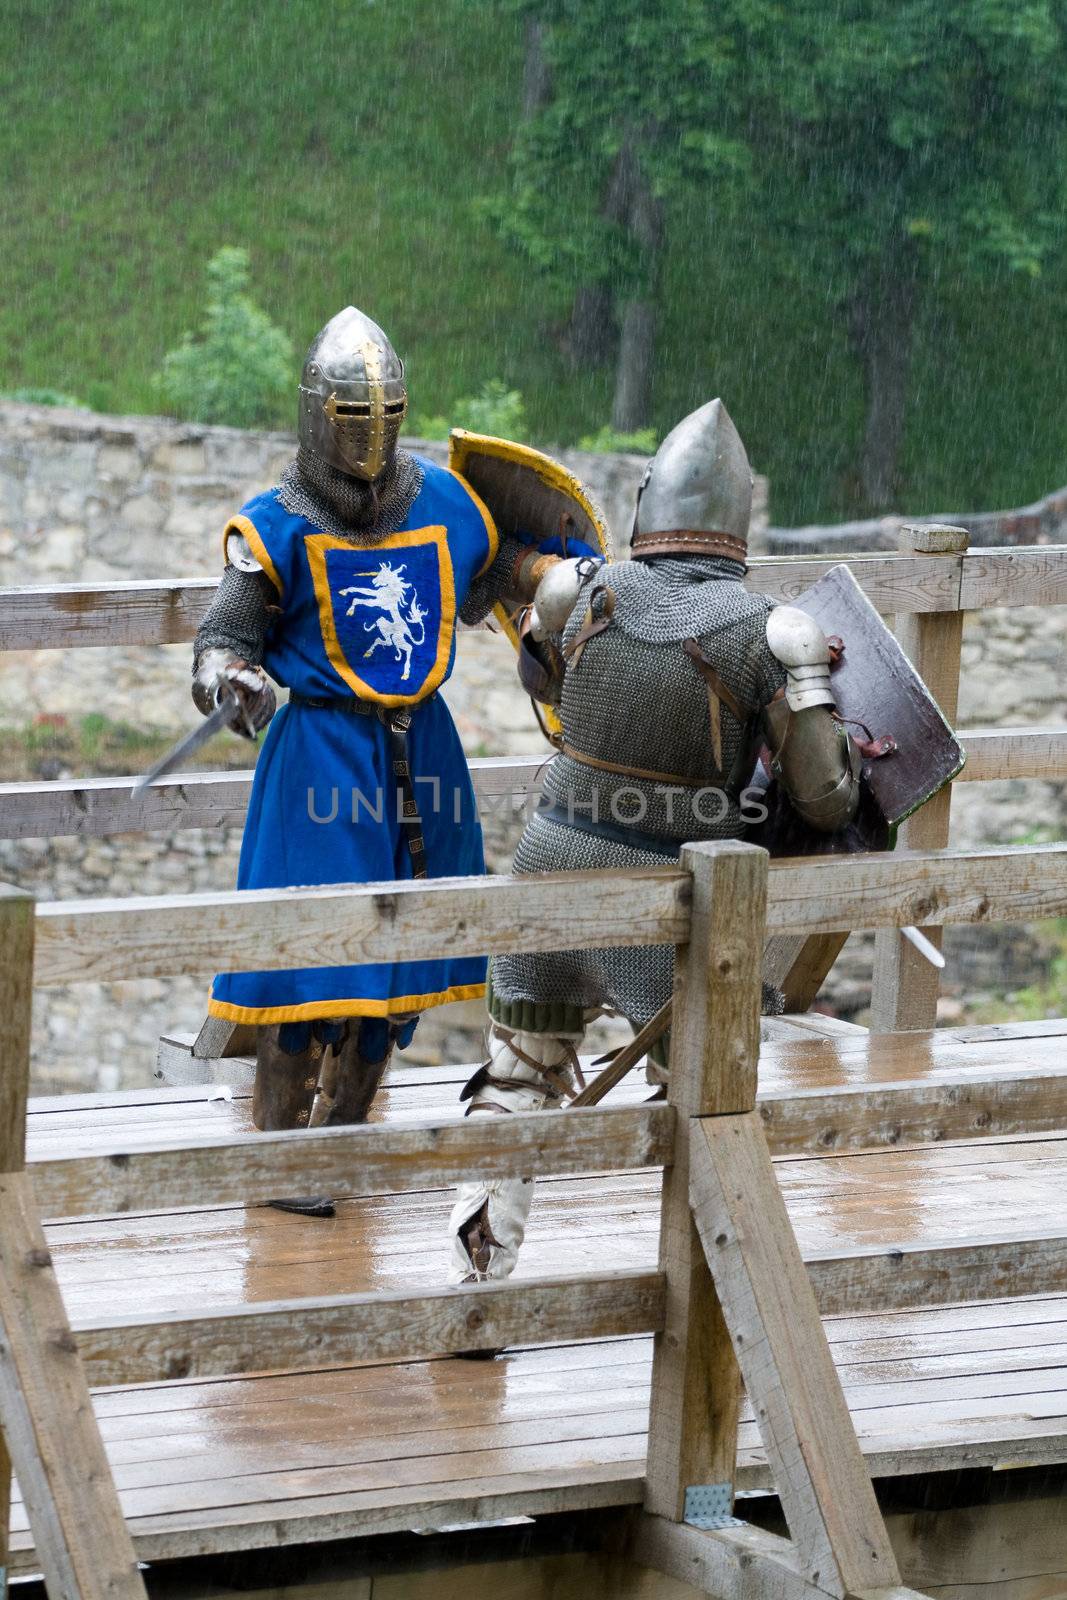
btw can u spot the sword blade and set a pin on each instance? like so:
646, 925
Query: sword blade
180, 753
924, 946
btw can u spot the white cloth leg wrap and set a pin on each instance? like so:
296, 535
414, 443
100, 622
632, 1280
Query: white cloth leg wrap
519, 1087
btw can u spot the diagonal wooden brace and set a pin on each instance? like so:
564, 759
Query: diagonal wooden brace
769, 1307
49, 1425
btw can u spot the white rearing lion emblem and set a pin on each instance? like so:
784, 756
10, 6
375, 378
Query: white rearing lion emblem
388, 593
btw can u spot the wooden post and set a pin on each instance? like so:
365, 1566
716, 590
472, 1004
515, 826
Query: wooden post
696, 1390
16, 990
50, 1431
906, 985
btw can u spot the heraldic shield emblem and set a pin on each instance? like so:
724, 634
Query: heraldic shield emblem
387, 612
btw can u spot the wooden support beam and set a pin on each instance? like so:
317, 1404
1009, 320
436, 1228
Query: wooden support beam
906, 985
1021, 883
946, 1104
696, 1389
243, 930
49, 1429
344, 1162
79, 1533
740, 1563
16, 996
93, 807
293, 1335
999, 1266
96, 807
789, 1374
799, 965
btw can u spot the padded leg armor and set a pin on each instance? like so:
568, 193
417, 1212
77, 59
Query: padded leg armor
344, 1061
525, 1072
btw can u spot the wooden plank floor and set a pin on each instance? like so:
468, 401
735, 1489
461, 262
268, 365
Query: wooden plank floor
235, 1463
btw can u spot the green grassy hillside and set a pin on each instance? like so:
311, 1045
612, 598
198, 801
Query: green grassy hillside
343, 144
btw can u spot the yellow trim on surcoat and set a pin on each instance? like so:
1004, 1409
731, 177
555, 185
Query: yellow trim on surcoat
322, 1010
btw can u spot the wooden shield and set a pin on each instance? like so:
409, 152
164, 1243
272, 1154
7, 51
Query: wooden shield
877, 686
531, 496
528, 493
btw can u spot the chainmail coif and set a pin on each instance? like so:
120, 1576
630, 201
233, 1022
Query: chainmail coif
348, 507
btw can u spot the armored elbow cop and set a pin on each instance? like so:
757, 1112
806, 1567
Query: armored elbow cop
812, 754
797, 641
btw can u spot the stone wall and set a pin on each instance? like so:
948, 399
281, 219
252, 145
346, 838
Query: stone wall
87, 498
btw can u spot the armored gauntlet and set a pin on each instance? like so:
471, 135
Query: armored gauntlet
255, 694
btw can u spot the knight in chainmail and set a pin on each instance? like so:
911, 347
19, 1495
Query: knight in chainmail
344, 583
669, 677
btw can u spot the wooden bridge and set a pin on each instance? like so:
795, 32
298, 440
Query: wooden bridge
834, 1258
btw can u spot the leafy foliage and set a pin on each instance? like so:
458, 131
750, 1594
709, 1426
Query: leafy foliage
42, 397
607, 440
241, 364
139, 135
495, 409
891, 143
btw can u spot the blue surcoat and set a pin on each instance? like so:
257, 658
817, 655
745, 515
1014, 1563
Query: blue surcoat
376, 623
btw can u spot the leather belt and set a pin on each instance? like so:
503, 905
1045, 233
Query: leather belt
617, 832
632, 772
396, 720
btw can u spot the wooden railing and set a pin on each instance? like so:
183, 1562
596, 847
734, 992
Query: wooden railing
730, 1276
927, 586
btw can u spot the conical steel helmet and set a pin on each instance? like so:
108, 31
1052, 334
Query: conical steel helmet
696, 495
352, 396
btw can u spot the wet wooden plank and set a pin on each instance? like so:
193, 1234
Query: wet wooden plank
378, 1327
76, 615
893, 582
891, 889
63, 616
284, 928
997, 753
1014, 575
94, 807
355, 1161
336, 925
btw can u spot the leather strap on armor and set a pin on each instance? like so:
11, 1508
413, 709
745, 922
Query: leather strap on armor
689, 542
592, 625
630, 772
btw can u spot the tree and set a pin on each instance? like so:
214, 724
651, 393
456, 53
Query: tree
240, 366
615, 136
896, 141
887, 142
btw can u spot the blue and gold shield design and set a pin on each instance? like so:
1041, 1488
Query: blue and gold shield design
387, 612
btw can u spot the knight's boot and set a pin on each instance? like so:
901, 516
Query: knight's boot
282, 1098
285, 1081
525, 1072
361, 1060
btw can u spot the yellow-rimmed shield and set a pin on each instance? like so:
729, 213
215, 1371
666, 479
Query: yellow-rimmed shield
529, 495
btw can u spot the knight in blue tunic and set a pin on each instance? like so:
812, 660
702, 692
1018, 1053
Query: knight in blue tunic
345, 584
